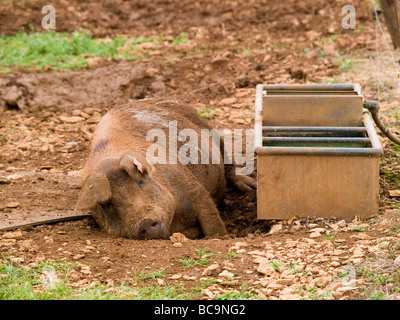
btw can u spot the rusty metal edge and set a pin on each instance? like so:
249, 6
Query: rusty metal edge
375, 151
258, 125
48, 221
314, 87
313, 129
317, 139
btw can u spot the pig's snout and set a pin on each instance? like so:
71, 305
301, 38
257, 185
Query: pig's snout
150, 229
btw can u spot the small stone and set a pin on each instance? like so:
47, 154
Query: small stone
266, 269
228, 101
360, 236
274, 286
238, 245
357, 261
346, 289
315, 235
17, 260
78, 256
333, 286
257, 253
94, 119
177, 245
13, 205
7, 242
358, 253
323, 281
151, 72
175, 277
264, 281
394, 193
341, 223
226, 274
211, 270
85, 269
48, 239
312, 35
13, 177
299, 268
285, 282
13, 235
320, 230
228, 265
73, 119
334, 226
276, 228
178, 237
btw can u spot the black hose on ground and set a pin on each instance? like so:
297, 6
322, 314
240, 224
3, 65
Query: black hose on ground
373, 107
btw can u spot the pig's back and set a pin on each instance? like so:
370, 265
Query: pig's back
136, 119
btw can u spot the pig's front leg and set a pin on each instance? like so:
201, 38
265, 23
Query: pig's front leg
209, 218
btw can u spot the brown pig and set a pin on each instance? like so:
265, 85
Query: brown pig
130, 197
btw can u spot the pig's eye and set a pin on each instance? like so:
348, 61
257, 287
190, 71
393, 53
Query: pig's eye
140, 183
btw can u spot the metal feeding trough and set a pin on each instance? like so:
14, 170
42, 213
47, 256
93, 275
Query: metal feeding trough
318, 152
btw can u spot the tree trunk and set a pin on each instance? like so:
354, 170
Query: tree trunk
391, 11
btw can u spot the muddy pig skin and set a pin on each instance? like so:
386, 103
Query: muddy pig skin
129, 197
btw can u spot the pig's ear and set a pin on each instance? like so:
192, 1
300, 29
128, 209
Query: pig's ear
95, 189
134, 164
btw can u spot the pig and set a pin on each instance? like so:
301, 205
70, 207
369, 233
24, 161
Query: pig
130, 197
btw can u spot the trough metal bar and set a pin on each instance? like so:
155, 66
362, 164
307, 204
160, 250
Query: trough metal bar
314, 87
312, 151
317, 139
371, 132
375, 151
310, 93
312, 129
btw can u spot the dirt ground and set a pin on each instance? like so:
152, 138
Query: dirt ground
47, 118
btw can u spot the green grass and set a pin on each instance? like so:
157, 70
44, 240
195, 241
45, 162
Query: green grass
330, 236
358, 229
182, 38
149, 275
312, 294
200, 258
63, 50
206, 113
276, 264
377, 295
383, 283
292, 267
346, 65
232, 295
231, 254
243, 294
22, 283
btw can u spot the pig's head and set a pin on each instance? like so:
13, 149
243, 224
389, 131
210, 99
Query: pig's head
125, 200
